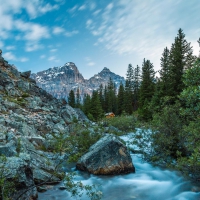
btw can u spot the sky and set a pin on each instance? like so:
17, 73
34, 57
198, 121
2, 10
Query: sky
40, 34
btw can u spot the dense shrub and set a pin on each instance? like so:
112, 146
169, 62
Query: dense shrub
123, 123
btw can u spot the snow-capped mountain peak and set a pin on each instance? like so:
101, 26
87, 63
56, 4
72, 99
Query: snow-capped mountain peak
58, 81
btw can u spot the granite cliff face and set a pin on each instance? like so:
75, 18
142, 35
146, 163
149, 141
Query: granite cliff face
58, 81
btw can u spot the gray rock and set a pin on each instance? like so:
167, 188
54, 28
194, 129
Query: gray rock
2, 121
56, 119
21, 174
81, 115
108, 156
2, 138
41, 189
37, 140
41, 176
14, 71
10, 105
32, 80
26, 74
8, 149
3, 128
10, 137
23, 85
68, 114
27, 130
62, 187
1, 88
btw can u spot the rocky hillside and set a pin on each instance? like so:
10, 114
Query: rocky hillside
58, 81
30, 119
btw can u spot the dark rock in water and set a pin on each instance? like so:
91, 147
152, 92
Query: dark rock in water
108, 156
41, 189
62, 187
26, 74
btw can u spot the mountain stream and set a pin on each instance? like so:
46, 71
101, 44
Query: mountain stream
148, 183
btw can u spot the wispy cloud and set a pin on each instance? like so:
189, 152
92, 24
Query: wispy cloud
10, 47
69, 34
1, 44
92, 5
9, 56
89, 61
12, 57
33, 46
83, 7
24, 30
23, 59
53, 50
32, 31
58, 30
73, 9
129, 27
96, 12
53, 58
42, 56
89, 23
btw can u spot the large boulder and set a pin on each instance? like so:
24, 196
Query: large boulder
81, 115
108, 156
17, 171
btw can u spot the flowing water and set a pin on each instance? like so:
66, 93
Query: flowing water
148, 183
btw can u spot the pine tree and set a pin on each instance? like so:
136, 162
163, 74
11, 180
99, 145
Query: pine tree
164, 72
87, 104
71, 99
96, 109
162, 83
106, 109
120, 99
112, 101
180, 58
78, 100
129, 87
101, 96
136, 87
146, 89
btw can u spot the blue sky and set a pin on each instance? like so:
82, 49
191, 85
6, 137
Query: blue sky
38, 34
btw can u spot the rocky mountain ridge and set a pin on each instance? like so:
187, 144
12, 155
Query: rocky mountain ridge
30, 120
59, 81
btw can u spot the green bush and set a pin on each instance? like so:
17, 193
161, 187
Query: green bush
25, 95
123, 123
81, 141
